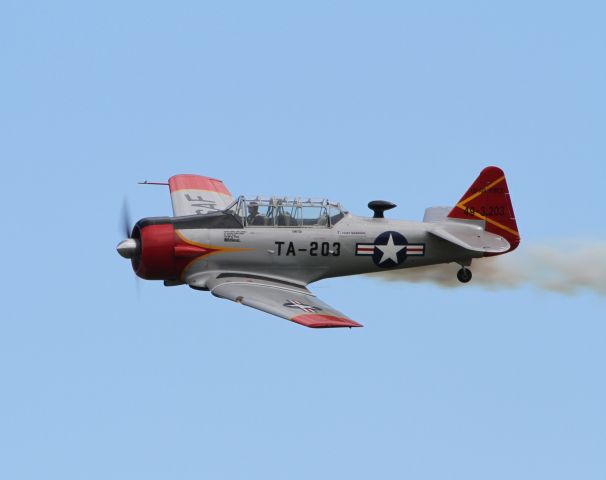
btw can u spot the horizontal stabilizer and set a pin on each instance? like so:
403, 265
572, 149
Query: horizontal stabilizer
436, 214
471, 238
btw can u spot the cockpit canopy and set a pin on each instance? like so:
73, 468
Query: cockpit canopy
285, 212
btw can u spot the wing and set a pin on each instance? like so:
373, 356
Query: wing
284, 299
195, 195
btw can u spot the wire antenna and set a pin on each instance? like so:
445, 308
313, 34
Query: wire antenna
152, 183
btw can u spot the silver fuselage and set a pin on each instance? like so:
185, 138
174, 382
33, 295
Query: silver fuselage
308, 254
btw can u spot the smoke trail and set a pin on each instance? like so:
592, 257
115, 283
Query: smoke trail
568, 268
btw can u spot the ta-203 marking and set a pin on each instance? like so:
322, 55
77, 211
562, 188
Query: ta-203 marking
313, 249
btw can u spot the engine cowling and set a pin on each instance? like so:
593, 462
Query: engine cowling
156, 259
163, 255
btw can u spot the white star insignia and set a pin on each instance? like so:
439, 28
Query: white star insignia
390, 251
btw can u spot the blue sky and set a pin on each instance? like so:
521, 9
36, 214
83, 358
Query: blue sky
351, 100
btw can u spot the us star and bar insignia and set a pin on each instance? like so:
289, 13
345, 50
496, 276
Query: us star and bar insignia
302, 306
390, 249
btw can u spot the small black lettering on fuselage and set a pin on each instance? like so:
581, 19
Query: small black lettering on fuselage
315, 249
232, 235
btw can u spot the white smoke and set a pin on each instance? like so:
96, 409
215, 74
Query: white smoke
568, 267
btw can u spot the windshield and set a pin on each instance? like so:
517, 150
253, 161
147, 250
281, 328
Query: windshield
285, 212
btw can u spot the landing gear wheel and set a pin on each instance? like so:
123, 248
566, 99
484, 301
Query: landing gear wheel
464, 275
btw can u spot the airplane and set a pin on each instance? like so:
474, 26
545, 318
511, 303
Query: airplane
262, 252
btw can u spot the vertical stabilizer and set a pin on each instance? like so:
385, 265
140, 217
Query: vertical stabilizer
488, 199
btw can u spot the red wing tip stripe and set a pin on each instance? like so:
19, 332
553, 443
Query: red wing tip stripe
324, 321
196, 182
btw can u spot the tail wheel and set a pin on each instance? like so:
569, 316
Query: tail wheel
464, 275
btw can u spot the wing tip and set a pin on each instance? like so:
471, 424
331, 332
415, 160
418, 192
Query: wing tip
314, 320
188, 181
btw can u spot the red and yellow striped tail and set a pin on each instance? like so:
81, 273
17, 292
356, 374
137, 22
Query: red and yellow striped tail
488, 199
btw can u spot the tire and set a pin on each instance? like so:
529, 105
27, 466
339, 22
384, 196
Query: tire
464, 275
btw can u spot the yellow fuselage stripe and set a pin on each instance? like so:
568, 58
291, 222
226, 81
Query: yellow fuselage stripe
211, 247
216, 249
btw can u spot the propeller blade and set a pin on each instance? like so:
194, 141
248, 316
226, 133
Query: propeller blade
138, 287
125, 222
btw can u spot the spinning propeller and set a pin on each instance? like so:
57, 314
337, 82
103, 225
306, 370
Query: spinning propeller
128, 248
